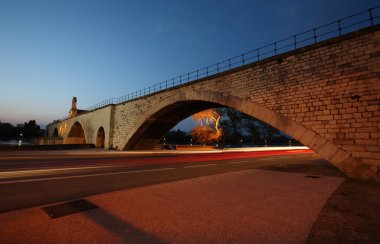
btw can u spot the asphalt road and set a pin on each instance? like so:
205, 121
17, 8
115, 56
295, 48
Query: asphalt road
33, 179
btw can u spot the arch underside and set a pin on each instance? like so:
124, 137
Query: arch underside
76, 135
55, 133
156, 126
166, 114
100, 138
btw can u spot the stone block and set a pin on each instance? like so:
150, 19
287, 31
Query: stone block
328, 150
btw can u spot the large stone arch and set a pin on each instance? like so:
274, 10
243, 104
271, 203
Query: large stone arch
76, 134
169, 111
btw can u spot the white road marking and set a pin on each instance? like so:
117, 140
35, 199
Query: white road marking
81, 176
195, 166
34, 171
264, 159
238, 162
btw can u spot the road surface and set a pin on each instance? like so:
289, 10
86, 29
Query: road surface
32, 179
202, 198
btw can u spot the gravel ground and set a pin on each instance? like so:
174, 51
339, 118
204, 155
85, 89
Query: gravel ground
351, 215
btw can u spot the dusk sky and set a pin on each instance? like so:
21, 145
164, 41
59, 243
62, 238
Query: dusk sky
53, 50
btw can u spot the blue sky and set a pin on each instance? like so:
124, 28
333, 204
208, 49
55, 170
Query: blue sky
53, 50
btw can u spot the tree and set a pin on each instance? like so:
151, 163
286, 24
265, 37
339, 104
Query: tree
209, 117
31, 129
7, 130
27, 130
203, 134
209, 129
233, 125
176, 137
254, 128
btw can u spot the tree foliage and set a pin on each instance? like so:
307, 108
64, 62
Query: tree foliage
27, 130
209, 129
240, 127
204, 134
176, 137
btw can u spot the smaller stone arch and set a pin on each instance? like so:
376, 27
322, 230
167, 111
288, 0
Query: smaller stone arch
100, 137
76, 135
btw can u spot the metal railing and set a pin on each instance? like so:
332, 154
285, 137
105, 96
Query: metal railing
337, 28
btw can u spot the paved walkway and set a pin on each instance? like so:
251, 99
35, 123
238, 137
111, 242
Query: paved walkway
244, 206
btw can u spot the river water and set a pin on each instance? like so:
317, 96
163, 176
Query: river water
13, 142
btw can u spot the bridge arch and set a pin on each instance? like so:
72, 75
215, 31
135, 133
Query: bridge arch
55, 132
100, 137
76, 134
167, 113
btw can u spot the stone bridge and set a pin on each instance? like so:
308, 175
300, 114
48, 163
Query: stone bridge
326, 96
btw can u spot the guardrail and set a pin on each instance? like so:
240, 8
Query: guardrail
337, 28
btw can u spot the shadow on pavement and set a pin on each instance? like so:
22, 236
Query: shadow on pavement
121, 229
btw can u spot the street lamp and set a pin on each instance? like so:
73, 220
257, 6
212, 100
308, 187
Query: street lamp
20, 141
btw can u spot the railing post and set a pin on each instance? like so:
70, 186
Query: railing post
197, 74
340, 28
275, 48
206, 71
258, 54
295, 41
242, 58
370, 16
315, 36
229, 63
217, 67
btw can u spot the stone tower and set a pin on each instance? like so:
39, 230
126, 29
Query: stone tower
73, 110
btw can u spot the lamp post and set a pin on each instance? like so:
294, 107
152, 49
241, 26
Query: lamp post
20, 140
